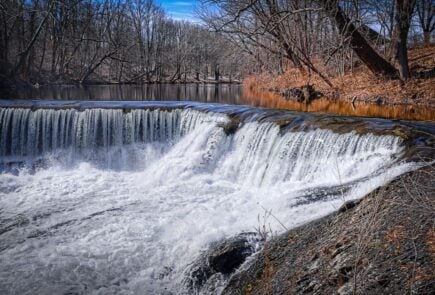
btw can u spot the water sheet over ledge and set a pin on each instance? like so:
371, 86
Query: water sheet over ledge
287, 120
125, 195
244, 111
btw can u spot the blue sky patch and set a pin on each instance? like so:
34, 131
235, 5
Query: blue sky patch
179, 9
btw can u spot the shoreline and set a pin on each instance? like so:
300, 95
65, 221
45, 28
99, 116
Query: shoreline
357, 108
300, 94
358, 85
383, 242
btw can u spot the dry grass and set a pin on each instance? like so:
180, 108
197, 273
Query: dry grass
361, 84
382, 245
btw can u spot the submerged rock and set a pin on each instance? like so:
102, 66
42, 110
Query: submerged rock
221, 260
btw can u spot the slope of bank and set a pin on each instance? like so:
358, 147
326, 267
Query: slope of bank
385, 243
357, 84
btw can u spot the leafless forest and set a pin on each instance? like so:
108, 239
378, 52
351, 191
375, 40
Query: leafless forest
129, 41
110, 40
340, 34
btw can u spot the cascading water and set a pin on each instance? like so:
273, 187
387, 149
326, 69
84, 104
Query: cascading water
75, 225
104, 136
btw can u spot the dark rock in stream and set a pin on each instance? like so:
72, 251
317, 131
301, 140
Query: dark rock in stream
221, 260
231, 126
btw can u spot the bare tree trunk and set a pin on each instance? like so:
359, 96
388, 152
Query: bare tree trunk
426, 17
92, 68
402, 56
426, 36
24, 54
376, 63
405, 9
216, 73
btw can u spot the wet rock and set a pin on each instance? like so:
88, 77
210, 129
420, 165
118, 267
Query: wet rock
348, 205
231, 126
222, 259
229, 255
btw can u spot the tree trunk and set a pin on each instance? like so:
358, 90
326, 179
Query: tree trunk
24, 54
216, 74
403, 23
426, 35
376, 63
402, 56
92, 69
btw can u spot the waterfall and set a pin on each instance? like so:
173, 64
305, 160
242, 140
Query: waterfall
25, 132
260, 155
126, 199
257, 154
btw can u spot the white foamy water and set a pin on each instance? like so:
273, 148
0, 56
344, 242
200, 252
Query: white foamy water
127, 213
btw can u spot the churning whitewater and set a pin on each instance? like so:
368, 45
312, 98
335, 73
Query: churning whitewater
107, 201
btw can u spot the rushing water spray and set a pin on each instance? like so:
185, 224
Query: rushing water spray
129, 198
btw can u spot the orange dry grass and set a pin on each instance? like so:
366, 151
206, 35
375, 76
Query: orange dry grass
361, 83
422, 58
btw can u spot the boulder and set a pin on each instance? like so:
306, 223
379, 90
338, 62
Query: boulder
222, 258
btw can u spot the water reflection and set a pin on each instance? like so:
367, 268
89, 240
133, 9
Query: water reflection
272, 100
223, 93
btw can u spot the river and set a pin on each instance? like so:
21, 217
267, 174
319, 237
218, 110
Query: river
121, 196
222, 93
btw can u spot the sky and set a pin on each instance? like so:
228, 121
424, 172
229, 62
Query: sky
180, 9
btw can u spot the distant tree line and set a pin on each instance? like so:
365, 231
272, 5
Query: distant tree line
325, 37
118, 41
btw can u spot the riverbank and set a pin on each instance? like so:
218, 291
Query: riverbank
384, 243
360, 86
269, 99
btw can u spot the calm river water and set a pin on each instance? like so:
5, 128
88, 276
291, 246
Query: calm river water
221, 93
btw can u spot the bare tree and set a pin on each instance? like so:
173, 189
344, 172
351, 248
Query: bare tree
426, 12
376, 63
405, 9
